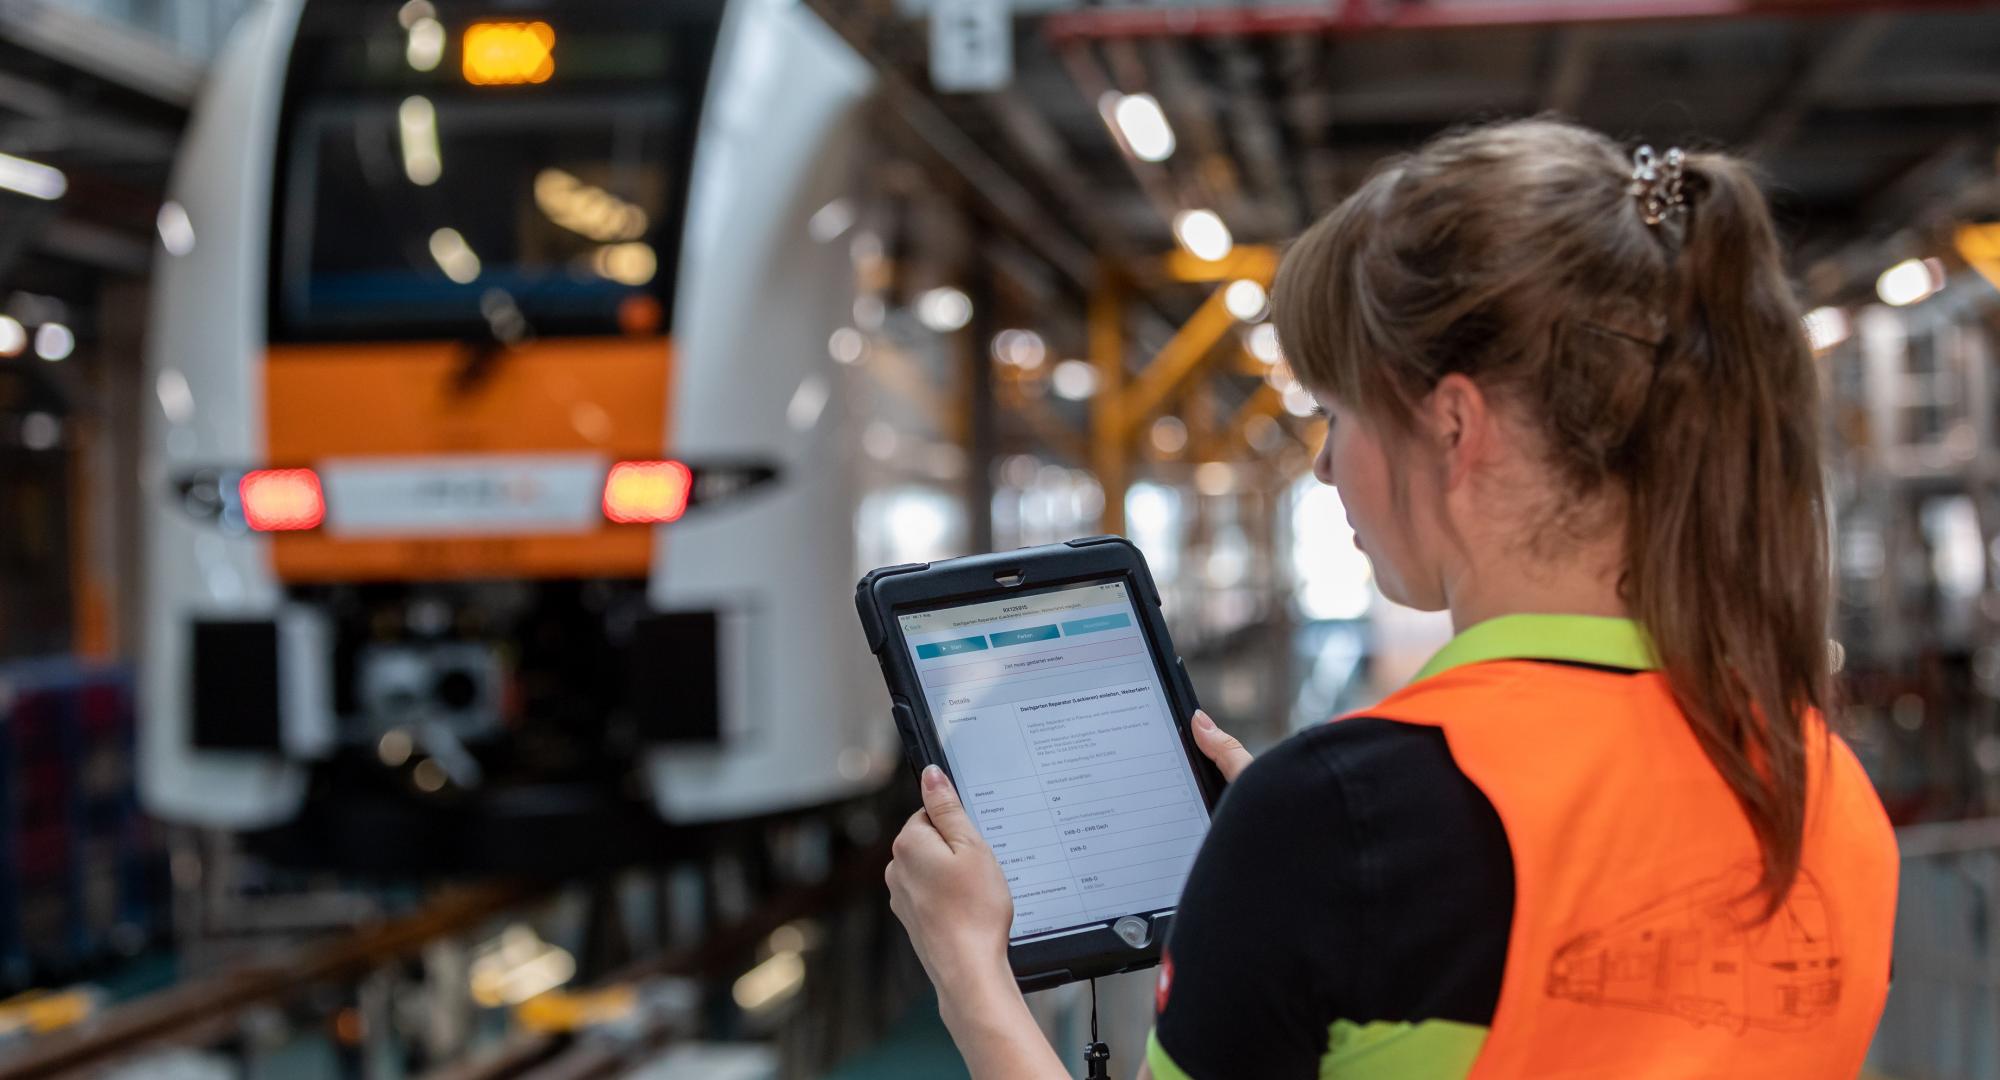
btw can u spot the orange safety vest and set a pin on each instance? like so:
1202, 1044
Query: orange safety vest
1631, 953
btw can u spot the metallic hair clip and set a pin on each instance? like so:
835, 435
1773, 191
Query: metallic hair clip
1656, 182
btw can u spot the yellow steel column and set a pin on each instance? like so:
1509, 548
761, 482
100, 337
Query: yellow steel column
1108, 437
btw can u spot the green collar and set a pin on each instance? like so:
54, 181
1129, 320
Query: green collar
1584, 639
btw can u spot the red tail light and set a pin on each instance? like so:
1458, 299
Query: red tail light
647, 492
282, 500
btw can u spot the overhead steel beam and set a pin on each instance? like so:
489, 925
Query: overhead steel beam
1317, 174
1569, 74
1185, 355
1979, 246
1012, 207
98, 246
1185, 98
1256, 131
1827, 70
1036, 140
1346, 17
1092, 84
105, 50
1016, 208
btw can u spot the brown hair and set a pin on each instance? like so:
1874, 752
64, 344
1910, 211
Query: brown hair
1662, 365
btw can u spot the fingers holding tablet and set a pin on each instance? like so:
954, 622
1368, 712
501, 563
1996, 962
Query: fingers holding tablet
947, 814
947, 888
1220, 746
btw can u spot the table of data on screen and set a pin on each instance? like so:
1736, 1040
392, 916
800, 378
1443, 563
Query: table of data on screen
1058, 734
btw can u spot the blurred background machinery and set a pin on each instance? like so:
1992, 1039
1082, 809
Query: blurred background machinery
437, 440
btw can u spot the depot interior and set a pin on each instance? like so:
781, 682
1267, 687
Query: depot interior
394, 686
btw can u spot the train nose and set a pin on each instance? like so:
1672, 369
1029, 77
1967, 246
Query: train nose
453, 684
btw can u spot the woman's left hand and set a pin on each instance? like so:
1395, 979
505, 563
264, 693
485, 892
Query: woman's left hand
951, 894
949, 891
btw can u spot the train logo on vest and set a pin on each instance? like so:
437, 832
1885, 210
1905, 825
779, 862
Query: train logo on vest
1695, 954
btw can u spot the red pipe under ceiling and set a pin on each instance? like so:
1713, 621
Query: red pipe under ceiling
1343, 17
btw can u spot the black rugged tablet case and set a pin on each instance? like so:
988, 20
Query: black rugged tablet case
1037, 965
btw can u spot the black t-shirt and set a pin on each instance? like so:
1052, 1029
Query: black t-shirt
1353, 876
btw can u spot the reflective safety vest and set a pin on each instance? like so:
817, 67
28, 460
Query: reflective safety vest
1634, 950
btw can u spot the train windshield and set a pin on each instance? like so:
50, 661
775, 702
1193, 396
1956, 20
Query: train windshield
483, 179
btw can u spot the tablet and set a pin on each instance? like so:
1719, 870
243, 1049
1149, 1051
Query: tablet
1043, 681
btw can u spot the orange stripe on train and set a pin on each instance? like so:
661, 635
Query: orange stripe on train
603, 395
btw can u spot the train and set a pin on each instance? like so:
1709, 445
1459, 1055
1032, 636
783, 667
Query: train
498, 506
1698, 954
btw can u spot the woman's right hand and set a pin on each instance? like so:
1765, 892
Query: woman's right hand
1220, 746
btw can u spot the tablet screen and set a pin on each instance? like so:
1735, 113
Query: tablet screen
1051, 713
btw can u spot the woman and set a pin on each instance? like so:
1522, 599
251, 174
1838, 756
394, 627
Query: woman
1606, 831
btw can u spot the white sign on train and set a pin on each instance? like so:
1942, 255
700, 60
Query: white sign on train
463, 495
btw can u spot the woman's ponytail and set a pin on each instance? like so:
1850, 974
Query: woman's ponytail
1727, 527
1636, 312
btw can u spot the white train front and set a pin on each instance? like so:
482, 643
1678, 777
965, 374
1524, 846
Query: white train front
499, 508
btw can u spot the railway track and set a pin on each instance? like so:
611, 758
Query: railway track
205, 1010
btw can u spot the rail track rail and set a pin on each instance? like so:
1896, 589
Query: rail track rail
213, 1000
203, 1010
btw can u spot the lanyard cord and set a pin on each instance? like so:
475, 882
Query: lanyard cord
1096, 1056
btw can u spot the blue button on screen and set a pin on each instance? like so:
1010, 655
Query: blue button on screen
934, 649
1022, 637
1093, 625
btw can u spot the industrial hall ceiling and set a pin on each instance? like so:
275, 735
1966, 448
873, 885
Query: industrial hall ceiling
1869, 120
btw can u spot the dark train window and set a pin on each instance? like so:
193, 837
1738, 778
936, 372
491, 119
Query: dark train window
417, 197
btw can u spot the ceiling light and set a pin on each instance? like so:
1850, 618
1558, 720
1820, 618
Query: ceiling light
425, 45
32, 178
1910, 281
588, 210
1073, 380
944, 309
13, 336
847, 345
1262, 342
1139, 124
627, 264
416, 130
454, 256
1245, 299
176, 231
176, 396
808, 402
409, 13
1023, 349
1297, 401
1214, 478
1826, 327
1169, 435
1203, 234
54, 341
831, 220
